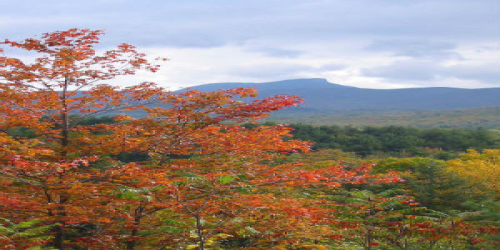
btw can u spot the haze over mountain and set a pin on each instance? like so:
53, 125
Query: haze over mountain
320, 95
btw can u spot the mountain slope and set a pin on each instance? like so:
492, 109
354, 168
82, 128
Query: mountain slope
319, 94
468, 118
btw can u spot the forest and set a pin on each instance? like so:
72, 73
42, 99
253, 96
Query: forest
396, 140
469, 118
199, 171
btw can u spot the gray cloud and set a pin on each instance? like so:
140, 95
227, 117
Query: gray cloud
417, 48
332, 67
197, 23
404, 70
426, 70
277, 52
428, 32
283, 70
287, 70
487, 73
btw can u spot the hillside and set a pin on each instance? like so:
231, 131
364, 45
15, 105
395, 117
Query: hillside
469, 118
319, 94
332, 104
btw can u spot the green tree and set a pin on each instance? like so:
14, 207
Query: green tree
428, 181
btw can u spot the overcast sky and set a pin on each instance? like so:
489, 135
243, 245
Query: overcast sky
362, 43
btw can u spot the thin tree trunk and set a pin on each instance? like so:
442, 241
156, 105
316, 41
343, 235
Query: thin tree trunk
58, 229
138, 213
199, 228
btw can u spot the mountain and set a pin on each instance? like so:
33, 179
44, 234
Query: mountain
321, 95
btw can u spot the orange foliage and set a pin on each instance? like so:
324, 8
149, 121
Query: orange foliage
202, 164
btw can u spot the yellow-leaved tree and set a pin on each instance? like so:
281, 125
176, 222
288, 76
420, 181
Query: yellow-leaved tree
482, 169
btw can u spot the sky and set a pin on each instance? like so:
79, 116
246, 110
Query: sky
363, 43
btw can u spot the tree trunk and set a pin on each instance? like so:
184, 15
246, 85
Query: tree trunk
137, 222
201, 239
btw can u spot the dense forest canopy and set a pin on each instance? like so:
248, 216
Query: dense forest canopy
395, 140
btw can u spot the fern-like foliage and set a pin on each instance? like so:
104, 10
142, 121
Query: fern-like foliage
27, 235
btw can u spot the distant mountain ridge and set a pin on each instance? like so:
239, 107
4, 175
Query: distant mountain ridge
319, 94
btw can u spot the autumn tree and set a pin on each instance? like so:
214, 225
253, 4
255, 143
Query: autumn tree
200, 166
49, 169
481, 169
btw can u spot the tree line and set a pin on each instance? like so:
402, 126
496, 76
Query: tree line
397, 140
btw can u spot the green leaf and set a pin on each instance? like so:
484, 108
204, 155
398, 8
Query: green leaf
252, 230
193, 176
226, 179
